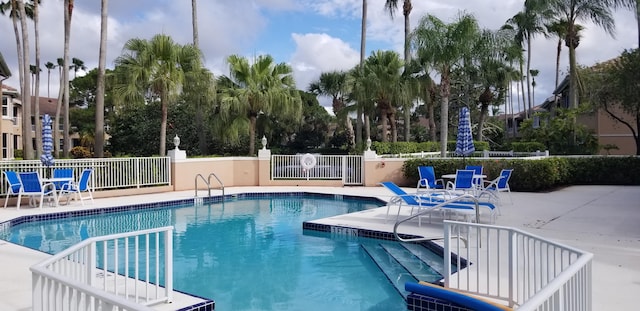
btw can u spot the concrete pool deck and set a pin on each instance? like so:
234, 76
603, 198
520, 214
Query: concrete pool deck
603, 220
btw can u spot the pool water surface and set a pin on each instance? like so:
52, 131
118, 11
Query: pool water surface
249, 253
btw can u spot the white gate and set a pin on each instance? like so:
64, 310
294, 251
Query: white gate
347, 168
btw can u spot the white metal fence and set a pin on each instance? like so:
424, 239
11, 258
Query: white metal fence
115, 272
109, 173
521, 269
347, 168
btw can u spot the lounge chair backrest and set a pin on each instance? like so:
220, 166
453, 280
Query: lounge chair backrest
505, 174
400, 193
13, 180
464, 179
30, 182
83, 183
427, 173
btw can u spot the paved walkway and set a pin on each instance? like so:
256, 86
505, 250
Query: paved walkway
603, 220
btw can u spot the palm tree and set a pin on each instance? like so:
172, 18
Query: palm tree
360, 109
527, 23
56, 120
383, 69
534, 73
27, 143
77, 64
155, 68
392, 6
100, 87
36, 109
263, 87
335, 85
68, 12
596, 11
49, 66
443, 46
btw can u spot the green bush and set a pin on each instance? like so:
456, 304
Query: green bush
80, 152
414, 147
18, 154
541, 175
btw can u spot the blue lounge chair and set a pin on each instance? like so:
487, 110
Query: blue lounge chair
434, 202
80, 189
428, 179
402, 197
34, 188
14, 185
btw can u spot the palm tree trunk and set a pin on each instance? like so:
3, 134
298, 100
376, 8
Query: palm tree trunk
27, 138
444, 112
252, 135
524, 102
194, 21
68, 10
555, 97
392, 123
363, 40
164, 98
36, 109
406, 9
349, 125
384, 125
56, 120
530, 106
367, 125
100, 88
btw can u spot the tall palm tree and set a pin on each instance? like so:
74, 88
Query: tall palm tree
100, 83
36, 107
262, 87
384, 70
56, 120
335, 84
27, 143
155, 68
527, 23
77, 65
391, 6
534, 73
50, 66
68, 12
360, 109
443, 47
599, 12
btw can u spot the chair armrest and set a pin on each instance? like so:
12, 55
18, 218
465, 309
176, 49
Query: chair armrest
450, 185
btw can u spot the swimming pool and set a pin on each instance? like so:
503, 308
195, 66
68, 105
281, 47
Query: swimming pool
251, 253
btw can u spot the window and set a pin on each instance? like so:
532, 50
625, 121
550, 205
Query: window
5, 146
15, 111
5, 106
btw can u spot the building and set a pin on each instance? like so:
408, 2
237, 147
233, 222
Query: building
613, 137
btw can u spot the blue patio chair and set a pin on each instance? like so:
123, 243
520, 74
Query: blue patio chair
478, 170
428, 179
14, 185
463, 183
62, 173
402, 197
34, 188
80, 189
500, 184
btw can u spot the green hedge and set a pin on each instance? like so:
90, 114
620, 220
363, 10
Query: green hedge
544, 174
413, 147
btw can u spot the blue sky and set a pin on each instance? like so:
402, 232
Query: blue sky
311, 35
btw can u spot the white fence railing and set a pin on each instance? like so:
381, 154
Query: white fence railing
115, 272
521, 269
109, 173
347, 168
477, 154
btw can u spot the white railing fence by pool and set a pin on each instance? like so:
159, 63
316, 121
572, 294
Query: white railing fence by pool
109, 173
347, 168
523, 270
125, 271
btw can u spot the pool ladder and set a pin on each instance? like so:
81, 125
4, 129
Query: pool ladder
208, 183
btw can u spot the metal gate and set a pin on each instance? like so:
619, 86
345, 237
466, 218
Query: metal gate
348, 168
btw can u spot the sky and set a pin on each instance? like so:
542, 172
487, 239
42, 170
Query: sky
312, 36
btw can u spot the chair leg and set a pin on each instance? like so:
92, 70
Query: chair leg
6, 200
19, 199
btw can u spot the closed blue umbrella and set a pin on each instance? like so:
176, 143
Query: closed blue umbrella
47, 142
464, 142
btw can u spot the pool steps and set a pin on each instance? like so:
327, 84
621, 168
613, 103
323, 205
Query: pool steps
404, 263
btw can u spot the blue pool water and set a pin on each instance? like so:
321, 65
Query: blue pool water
248, 254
